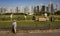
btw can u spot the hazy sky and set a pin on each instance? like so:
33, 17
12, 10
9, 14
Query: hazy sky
14, 3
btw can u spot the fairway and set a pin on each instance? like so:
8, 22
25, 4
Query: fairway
6, 22
30, 24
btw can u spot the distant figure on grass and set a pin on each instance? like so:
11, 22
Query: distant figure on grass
11, 16
18, 17
45, 16
25, 17
14, 25
33, 17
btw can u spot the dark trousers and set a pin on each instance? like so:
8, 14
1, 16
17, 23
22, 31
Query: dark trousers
13, 29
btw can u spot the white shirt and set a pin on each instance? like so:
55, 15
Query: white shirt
14, 24
45, 14
11, 16
25, 16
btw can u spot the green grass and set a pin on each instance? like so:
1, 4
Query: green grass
29, 17
5, 22
6, 17
29, 23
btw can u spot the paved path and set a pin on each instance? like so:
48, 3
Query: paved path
9, 33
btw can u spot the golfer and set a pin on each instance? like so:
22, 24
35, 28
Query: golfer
14, 24
25, 17
45, 15
11, 16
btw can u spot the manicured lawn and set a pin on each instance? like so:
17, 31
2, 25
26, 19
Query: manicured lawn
5, 22
30, 23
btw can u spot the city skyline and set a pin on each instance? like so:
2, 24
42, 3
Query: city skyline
28, 6
15, 3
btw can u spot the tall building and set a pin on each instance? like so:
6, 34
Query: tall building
43, 8
37, 9
17, 11
21, 9
11, 10
56, 7
2, 10
31, 9
51, 8
47, 9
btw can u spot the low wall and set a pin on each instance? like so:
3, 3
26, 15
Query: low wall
42, 19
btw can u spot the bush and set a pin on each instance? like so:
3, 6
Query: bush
33, 18
58, 12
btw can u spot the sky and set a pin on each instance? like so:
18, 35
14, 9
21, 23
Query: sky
15, 3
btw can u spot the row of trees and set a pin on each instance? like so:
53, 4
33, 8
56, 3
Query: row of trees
53, 13
57, 13
38, 13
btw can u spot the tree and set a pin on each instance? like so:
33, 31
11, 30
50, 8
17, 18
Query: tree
58, 12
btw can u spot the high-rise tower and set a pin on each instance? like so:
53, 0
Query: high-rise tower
51, 8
